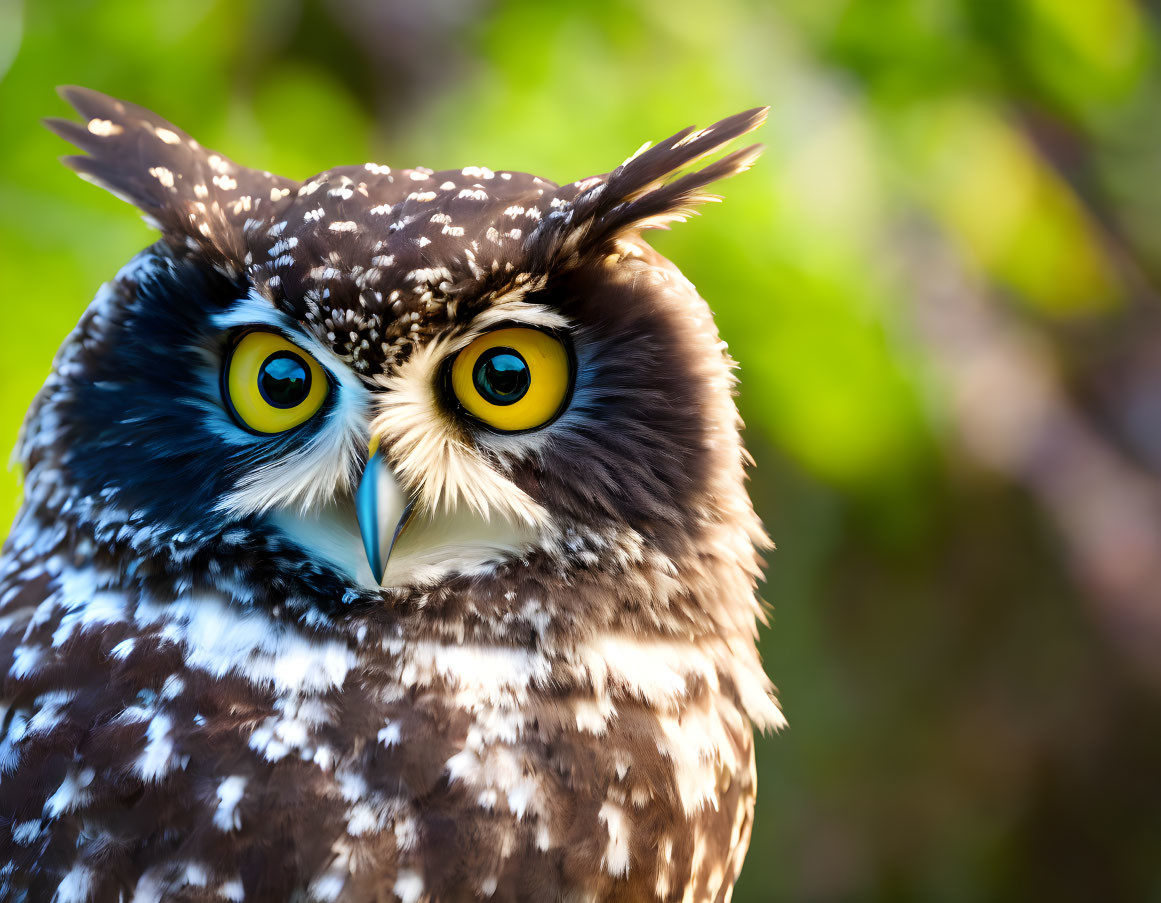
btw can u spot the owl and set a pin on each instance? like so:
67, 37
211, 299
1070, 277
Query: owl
384, 538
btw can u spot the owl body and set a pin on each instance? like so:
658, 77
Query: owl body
338, 629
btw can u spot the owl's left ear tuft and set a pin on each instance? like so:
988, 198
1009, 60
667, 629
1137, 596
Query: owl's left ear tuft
643, 193
200, 200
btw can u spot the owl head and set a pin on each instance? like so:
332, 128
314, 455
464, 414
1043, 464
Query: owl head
362, 386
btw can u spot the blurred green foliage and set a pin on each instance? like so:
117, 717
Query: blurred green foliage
962, 726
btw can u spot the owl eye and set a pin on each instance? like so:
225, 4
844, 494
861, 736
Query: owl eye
512, 379
270, 384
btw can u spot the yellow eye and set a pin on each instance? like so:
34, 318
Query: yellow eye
512, 379
271, 384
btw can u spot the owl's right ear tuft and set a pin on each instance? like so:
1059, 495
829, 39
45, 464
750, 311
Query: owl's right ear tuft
200, 200
647, 191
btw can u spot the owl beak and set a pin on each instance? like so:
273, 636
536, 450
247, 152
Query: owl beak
383, 510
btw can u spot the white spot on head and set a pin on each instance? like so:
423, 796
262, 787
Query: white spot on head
163, 175
166, 135
104, 128
282, 246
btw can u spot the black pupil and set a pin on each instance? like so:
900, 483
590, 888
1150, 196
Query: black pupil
501, 376
284, 380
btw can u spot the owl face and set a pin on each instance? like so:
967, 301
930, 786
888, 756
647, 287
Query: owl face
393, 376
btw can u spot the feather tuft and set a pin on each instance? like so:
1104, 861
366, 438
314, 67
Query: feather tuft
197, 198
642, 192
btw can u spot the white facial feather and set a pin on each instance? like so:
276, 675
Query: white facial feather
469, 517
322, 468
426, 449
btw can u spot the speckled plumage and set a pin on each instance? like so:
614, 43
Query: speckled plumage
206, 696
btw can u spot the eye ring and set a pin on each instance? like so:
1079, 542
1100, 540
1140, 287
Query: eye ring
534, 384
264, 398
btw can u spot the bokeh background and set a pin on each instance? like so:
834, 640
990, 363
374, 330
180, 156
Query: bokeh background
941, 283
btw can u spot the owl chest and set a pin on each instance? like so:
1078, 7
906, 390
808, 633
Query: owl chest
207, 745
509, 770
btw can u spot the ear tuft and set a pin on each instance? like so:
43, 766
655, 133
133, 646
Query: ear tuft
646, 171
198, 199
639, 194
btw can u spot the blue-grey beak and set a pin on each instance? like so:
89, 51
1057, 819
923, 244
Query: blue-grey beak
384, 512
